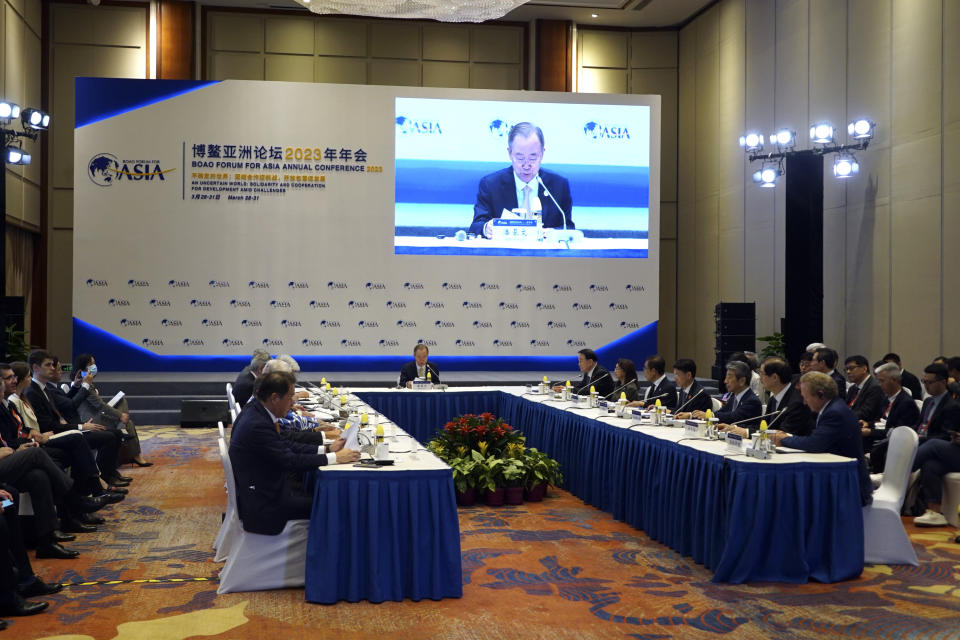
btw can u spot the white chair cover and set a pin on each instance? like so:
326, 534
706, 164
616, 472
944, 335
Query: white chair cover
949, 502
257, 562
885, 540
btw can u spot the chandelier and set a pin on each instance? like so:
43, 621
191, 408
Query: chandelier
442, 10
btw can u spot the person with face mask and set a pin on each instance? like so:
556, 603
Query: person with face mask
96, 408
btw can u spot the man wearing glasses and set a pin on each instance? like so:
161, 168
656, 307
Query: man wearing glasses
523, 185
939, 452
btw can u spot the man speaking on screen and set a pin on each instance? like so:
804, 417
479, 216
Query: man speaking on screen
524, 185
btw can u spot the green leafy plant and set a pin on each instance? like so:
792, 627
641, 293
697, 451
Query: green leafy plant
776, 346
464, 473
539, 467
488, 472
17, 346
512, 472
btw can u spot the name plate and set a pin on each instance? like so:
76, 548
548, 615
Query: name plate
421, 384
734, 443
514, 230
637, 414
695, 428
603, 404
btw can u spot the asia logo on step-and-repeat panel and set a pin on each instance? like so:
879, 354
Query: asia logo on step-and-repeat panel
499, 128
106, 169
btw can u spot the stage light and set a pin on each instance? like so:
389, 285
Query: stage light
845, 165
784, 138
9, 110
752, 142
822, 133
35, 119
768, 174
15, 155
861, 129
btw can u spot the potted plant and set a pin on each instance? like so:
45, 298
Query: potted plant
489, 478
540, 471
464, 471
512, 472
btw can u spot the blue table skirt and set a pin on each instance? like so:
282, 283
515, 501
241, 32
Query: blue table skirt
380, 535
743, 520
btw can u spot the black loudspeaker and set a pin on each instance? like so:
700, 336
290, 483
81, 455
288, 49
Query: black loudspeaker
803, 258
736, 331
203, 413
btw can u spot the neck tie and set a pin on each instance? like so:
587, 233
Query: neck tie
927, 416
852, 395
771, 405
276, 425
886, 410
681, 398
421, 373
526, 200
21, 430
733, 402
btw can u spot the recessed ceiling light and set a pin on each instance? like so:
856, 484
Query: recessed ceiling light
593, 15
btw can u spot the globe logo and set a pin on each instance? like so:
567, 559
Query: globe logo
103, 169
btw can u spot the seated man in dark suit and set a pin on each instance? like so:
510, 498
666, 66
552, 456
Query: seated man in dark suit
864, 396
243, 385
935, 458
691, 395
742, 404
25, 583
661, 388
907, 379
55, 412
523, 185
825, 361
953, 384
836, 429
263, 459
777, 379
594, 375
899, 410
419, 368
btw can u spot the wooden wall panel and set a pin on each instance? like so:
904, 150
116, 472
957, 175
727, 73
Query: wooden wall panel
175, 59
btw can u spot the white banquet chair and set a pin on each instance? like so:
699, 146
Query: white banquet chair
885, 539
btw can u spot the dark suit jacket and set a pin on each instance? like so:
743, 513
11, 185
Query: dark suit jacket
602, 383
46, 413
837, 431
498, 191
700, 402
409, 372
261, 460
911, 382
946, 417
841, 383
630, 389
870, 401
667, 387
243, 386
797, 418
903, 412
748, 407
8, 427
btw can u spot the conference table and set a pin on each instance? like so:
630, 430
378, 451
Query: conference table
793, 518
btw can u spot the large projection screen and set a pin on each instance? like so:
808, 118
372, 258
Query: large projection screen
338, 223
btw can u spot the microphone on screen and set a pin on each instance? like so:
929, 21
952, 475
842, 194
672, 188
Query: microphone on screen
460, 235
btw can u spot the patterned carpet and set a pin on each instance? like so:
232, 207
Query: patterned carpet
557, 569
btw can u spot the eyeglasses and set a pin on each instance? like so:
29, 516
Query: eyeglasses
934, 381
852, 367
12, 376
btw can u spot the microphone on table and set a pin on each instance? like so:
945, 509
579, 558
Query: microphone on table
689, 400
662, 395
618, 389
592, 381
434, 371
772, 413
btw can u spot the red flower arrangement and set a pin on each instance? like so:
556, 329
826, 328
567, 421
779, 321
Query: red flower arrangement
469, 430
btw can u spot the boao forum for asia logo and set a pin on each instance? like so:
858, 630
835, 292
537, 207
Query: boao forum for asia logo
106, 169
